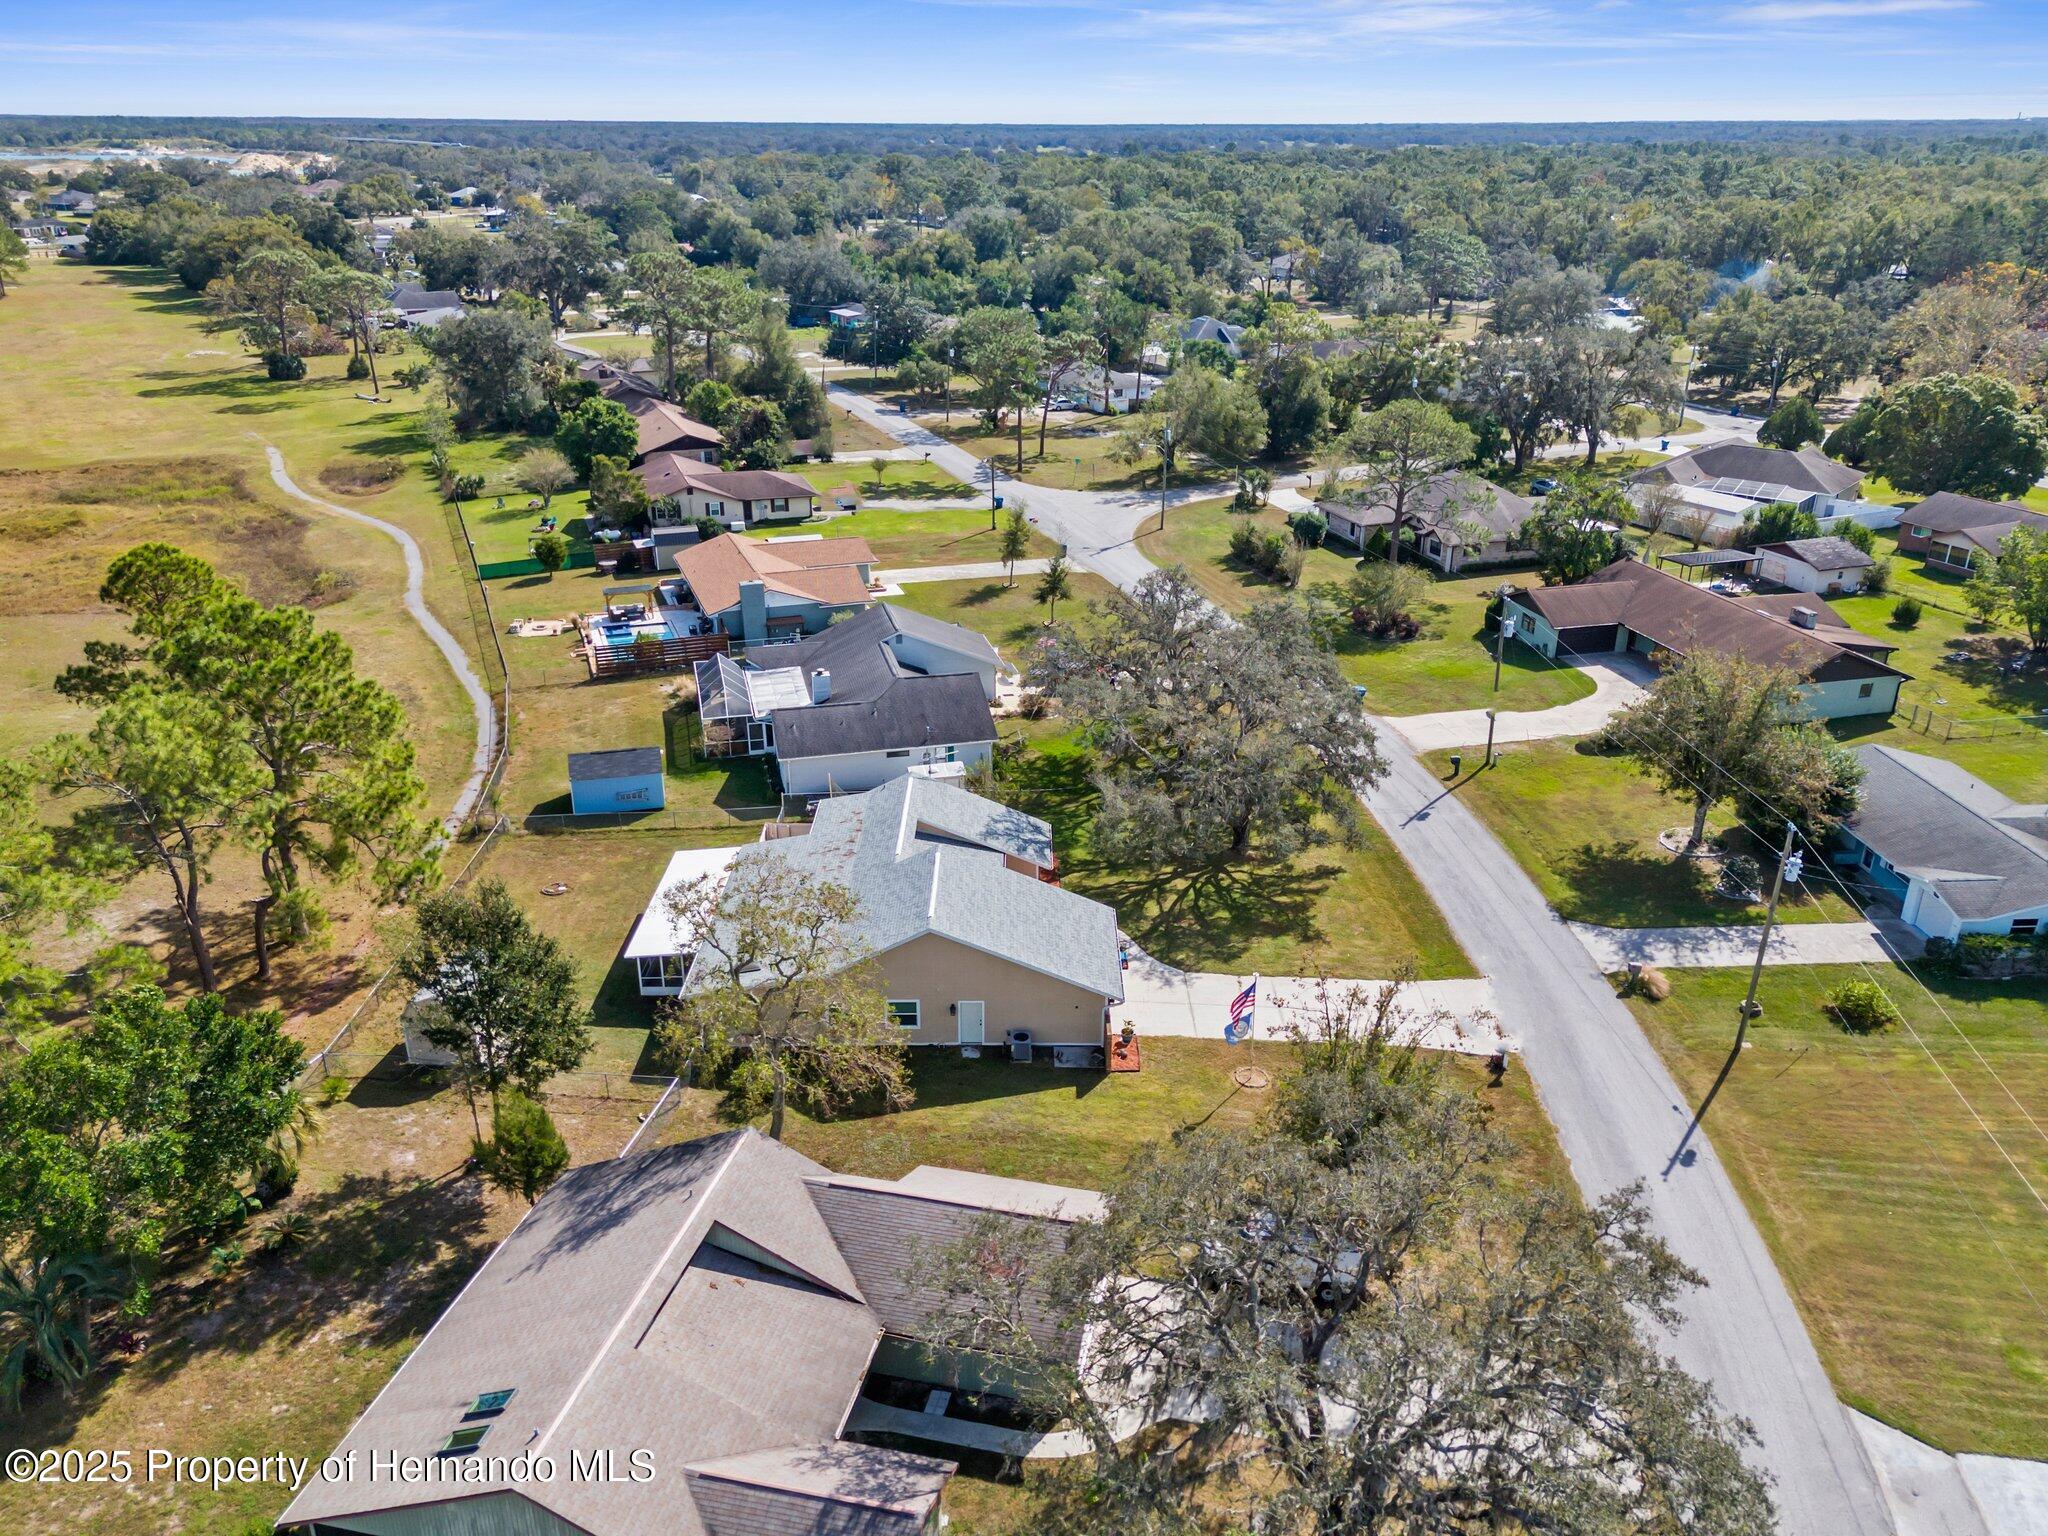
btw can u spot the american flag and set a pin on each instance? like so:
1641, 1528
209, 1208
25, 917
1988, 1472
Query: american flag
1244, 1012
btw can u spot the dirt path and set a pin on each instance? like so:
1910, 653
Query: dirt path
436, 631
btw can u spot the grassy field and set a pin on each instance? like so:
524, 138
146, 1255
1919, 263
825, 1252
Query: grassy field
1352, 912
126, 420
1914, 1250
1963, 673
940, 536
1012, 619
1585, 828
1448, 666
901, 479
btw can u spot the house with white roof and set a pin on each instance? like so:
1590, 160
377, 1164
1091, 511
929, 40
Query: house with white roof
960, 915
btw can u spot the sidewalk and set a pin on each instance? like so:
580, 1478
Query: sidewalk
986, 570
1618, 681
1734, 944
1161, 1000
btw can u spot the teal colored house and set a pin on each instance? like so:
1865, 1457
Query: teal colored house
627, 779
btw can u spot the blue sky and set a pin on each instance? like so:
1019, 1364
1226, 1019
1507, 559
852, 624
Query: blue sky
1034, 60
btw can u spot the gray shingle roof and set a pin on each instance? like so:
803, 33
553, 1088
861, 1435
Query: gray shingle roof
884, 1233
1984, 853
691, 1301
911, 886
618, 763
1952, 512
1823, 554
1809, 470
878, 703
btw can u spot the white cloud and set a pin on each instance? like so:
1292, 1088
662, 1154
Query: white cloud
1781, 11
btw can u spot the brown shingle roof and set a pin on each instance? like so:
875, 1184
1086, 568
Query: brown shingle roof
670, 474
662, 426
827, 570
1683, 617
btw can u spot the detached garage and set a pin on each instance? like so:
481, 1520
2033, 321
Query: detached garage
627, 779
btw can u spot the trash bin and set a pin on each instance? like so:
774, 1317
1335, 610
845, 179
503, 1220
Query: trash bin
1020, 1044
999, 503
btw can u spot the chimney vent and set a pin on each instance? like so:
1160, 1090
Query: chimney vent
1805, 618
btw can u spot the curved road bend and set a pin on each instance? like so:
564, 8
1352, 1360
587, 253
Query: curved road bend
436, 631
1619, 1116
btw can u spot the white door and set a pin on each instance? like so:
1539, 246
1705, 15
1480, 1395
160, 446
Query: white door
971, 1016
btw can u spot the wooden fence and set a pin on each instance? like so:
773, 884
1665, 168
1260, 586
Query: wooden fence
1932, 722
644, 656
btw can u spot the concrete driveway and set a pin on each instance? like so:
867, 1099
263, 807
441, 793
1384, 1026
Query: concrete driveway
1618, 681
1734, 944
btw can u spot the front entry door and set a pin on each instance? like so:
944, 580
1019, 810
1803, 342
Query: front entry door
971, 1016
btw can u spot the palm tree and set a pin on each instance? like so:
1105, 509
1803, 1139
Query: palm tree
1053, 586
46, 1318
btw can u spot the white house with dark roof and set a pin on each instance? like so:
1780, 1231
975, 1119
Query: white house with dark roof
1456, 520
1725, 482
1958, 856
961, 916
684, 1335
1826, 565
881, 693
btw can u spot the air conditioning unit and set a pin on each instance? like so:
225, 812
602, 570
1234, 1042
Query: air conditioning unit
1020, 1044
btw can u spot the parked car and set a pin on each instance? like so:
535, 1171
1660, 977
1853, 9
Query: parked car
1542, 486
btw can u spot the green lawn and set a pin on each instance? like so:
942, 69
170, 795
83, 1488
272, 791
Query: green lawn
1585, 828
901, 480
1351, 912
1448, 666
899, 537
1914, 1250
1978, 684
1009, 615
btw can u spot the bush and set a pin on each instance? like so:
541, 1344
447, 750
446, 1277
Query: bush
1268, 551
1860, 1007
1906, 612
283, 366
358, 367
552, 551
1855, 534
1308, 528
1878, 579
1646, 981
526, 1152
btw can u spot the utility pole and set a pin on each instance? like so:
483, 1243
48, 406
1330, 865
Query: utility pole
1489, 736
1790, 866
1503, 628
989, 465
949, 386
1165, 458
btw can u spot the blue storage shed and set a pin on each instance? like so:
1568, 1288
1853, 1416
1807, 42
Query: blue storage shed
627, 779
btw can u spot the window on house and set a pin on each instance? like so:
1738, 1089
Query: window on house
899, 752
489, 1402
661, 970
903, 1013
714, 509
463, 1441
781, 503
1866, 690
2025, 927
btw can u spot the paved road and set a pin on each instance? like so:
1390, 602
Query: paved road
416, 605
976, 570
1619, 1116
1620, 1119
1618, 681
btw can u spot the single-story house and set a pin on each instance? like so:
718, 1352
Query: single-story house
971, 939
1955, 532
1105, 391
39, 229
1959, 856
684, 491
71, 202
326, 186
1457, 520
1630, 606
847, 317
880, 694
416, 306
1727, 481
1209, 328
690, 1329
622, 383
759, 590
664, 428
1829, 565
622, 779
